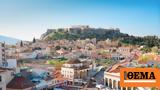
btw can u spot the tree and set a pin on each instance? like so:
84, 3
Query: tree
34, 40
21, 44
154, 88
57, 48
155, 49
146, 49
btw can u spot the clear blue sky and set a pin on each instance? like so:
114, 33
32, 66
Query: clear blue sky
24, 19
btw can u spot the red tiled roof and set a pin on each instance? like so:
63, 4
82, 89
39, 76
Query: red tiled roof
4, 69
58, 76
115, 69
20, 82
142, 62
157, 58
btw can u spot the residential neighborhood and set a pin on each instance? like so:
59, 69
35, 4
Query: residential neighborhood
83, 64
79, 44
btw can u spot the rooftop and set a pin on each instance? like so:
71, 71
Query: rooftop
74, 61
116, 70
4, 69
20, 82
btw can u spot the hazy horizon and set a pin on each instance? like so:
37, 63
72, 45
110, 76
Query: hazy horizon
25, 19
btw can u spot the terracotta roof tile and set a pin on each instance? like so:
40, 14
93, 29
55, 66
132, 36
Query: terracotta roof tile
4, 69
116, 69
20, 82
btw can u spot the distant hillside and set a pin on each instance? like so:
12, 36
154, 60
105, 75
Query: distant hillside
83, 32
8, 40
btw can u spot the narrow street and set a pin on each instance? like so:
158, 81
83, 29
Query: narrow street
99, 77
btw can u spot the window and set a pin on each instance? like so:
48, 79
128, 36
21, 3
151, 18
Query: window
3, 44
3, 50
12, 73
0, 79
53, 82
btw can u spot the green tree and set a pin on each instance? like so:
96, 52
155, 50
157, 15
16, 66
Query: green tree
21, 44
34, 40
154, 88
57, 48
155, 49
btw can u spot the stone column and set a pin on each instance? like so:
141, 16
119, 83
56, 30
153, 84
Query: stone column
73, 82
105, 82
117, 85
126, 88
112, 84
108, 82
132, 88
121, 88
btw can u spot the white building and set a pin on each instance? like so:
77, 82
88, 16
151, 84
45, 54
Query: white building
125, 51
2, 55
6, 75
112, 79
75, 71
